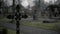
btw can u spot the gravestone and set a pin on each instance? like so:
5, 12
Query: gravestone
24, 16
57, 18
49, 20
10, 16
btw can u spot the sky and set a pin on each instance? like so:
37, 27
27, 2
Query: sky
48, 1
26, 3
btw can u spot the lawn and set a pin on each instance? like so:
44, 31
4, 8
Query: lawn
6, 20
9, 31
52, 26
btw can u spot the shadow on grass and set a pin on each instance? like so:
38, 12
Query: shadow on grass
9, 31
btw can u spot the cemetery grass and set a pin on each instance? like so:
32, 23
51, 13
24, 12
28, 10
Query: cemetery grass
4, 20
9, 31
51, 26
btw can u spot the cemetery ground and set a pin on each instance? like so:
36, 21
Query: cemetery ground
50, 26
9, 31
37, 24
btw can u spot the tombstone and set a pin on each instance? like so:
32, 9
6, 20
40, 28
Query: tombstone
18, 18
10, 16
18, 8
45, 22
49, 21
24, 16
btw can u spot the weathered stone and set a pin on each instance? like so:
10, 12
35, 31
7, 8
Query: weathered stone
49, 20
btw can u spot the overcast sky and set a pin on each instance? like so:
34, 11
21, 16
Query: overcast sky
25, 3
48, 1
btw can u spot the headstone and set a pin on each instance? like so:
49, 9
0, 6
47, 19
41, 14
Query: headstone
10, 16
24, 16
49, 21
